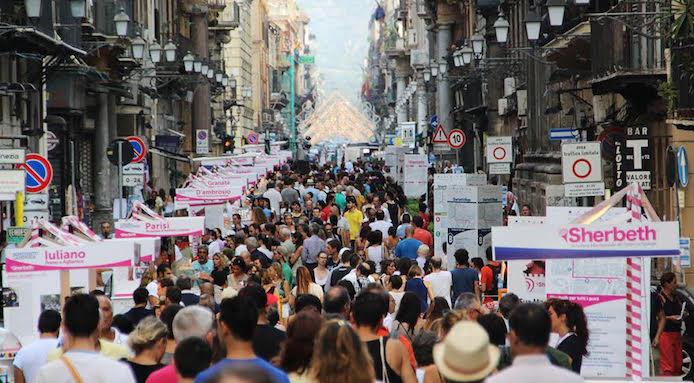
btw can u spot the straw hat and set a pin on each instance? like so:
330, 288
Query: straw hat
465, 355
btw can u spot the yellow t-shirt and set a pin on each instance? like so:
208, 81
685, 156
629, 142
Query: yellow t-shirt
108, 349
354, 218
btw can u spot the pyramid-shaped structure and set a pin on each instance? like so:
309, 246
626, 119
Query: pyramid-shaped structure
337, 118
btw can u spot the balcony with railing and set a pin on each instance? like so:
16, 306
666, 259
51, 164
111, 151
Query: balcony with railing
394, 44
683, 80
627, 52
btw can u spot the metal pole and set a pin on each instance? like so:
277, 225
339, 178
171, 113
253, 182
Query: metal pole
120, 180
72, 178
292, 117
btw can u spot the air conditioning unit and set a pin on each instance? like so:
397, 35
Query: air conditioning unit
522, 99
503, 106
509, 86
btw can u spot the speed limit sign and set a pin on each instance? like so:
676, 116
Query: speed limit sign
456, 139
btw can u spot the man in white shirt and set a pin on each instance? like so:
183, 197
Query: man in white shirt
381, 224
273, 195
530, 326
31, 357
82, 362
440, 280
163, 272
379, 207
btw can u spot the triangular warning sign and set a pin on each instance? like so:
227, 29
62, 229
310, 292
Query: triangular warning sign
440, 136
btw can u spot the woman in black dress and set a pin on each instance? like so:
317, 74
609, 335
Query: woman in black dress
569, 321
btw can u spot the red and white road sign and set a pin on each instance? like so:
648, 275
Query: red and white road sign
499, 149
139, 146
581, 162
440, 136
456, 139
39, 172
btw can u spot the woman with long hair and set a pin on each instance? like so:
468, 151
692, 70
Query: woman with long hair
340, 356
297, 351
437, 307
569, 321
258, 216
237, 277
408, 316
221, 269
305, 285
148, 342
321, 272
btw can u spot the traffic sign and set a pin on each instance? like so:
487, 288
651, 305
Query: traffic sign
132, 180
51, 140
127, 152
499, 149
134, 169
34, 202
252, 138
440, 136
434, 121
581, 162
556, 134
682, 167
456, 139
139, 147
39, 172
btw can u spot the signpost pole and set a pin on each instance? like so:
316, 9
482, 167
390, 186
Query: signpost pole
120, 179
73, 177
292, 118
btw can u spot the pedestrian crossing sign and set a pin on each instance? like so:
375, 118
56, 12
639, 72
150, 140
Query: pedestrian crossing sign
440, 136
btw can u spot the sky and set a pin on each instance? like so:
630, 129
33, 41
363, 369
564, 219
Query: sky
341, 29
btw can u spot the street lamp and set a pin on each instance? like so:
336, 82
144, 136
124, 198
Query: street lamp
188, 62
232, 83
477, 45
427, 75
33, 8
138, 46
210, 73
582, 2
204, 68
501, 28
225, 80
155, 52
466, 52
434, 69
533, 22
121, 19
218, 76
170, 51
197, 66
457, 58
556, 8
443, 67
77, 8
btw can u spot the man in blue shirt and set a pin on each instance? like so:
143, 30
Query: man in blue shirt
203, 266
407, 248
465, 279
237, 322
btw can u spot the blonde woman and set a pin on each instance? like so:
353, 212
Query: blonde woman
340, 356
148, 342
220, 272
305, 285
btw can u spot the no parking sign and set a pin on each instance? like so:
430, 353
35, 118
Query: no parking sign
39, 172
139, 146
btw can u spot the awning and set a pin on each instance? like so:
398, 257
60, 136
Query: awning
30, 40
170, 155
563, 40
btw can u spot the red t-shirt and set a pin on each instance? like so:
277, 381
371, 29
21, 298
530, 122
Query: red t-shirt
424, 236
164, 375
487, 278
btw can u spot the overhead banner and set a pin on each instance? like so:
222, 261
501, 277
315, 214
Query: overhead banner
551, 241
168, 227
202, 196
96, 255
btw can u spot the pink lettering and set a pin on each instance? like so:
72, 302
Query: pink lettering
614, 234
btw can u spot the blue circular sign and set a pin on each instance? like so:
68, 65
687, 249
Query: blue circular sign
682, 167
39, 173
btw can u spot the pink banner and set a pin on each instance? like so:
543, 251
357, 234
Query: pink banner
95, 255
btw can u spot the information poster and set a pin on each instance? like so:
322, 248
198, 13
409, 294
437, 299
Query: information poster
415, 175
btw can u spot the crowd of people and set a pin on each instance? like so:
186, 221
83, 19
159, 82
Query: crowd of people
334, 279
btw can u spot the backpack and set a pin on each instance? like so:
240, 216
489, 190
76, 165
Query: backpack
338, 274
